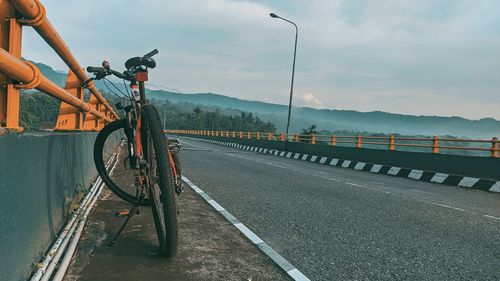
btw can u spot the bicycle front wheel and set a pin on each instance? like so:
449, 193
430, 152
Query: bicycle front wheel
160, 180
122, 180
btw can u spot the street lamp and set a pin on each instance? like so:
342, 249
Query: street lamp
273, 15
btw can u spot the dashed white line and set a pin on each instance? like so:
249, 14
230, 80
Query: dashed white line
450, 207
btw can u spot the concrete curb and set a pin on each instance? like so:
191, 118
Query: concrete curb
421, 175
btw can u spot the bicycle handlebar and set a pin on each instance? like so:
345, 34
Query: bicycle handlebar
95, 69
151, 54
101, 72
132, 65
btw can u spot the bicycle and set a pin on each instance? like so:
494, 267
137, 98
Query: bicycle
150, 171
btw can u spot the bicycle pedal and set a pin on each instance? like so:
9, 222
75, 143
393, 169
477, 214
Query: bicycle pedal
122, 214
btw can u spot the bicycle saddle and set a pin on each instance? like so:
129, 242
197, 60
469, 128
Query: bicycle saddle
140, 61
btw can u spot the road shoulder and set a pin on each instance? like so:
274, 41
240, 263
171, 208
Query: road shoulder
210, 247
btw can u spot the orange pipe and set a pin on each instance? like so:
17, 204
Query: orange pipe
20, 71
33, 10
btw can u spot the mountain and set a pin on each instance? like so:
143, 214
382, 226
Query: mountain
59, 77
55, 76
326, 119
338, 120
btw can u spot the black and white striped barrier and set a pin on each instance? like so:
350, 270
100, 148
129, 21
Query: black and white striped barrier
427, 176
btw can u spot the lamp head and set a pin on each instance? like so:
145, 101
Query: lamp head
273, 15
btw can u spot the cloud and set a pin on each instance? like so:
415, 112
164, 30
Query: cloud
443, 48
310, 100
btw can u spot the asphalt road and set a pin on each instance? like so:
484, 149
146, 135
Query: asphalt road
341, 224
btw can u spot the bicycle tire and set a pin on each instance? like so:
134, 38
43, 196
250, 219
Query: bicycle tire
162, 195
99, 161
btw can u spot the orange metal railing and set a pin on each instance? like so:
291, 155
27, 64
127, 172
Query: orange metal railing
16, 74
391, 143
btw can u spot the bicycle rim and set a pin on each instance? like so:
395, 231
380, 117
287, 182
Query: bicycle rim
122, 181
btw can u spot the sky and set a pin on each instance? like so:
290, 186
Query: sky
435, 57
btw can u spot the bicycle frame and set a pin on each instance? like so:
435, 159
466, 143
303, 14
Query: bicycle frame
133, 135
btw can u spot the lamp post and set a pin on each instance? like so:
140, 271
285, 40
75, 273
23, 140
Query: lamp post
273, 15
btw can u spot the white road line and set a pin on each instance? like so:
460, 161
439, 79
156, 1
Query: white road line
297, 275
291, 270
421, 191
193, 145
331, 179
260, 161
451, 207
215, 205
367, 187
491, 217
248, 233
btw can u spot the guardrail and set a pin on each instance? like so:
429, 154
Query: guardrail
434, 144
17, 74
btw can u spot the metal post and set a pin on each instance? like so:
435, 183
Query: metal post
392, 145
293, 76
435, 145
333, 141
358, 141
494, 147
282, 137
71, 118
10, 40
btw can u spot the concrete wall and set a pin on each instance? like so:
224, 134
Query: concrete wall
470, 166
40, 174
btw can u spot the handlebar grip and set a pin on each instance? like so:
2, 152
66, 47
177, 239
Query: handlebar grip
117, 74
95, 69
150, 54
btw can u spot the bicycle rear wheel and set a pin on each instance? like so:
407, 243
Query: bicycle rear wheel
122, 182
161, 181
